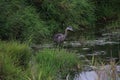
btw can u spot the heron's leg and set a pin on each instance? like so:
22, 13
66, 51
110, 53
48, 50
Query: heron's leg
60, 46
55, 45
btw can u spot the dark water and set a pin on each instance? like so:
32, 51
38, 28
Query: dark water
101, 51
105, 48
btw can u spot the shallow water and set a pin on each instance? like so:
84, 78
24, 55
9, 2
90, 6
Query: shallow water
104, 48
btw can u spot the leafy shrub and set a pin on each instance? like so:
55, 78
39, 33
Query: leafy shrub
20, 21
61, 13
107, 14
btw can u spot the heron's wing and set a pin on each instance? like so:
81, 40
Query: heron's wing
59, 37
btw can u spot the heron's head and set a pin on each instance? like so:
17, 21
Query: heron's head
69, 28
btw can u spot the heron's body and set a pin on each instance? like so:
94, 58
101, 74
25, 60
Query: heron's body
59, 38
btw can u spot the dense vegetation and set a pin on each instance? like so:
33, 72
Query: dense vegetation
35, 20
17, 63
54, 64
107, 15
14, 58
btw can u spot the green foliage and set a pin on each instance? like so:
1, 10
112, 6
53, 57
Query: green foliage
36, 20
62, 13
8, 71
19, 53
14, 59
48, 64
51, 63
107, 14
20, 22
26, 24
107, 8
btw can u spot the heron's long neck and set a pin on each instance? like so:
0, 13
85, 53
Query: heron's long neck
65, 32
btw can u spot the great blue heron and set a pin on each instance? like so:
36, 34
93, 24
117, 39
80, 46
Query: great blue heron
59, 37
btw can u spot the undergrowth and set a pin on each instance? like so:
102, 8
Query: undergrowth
14, 59
18, 63
51, 64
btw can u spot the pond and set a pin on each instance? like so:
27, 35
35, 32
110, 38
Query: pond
105, 49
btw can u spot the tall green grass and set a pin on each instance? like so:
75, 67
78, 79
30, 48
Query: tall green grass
14, 59
17, 63
8, 70
50, 64
19, 53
